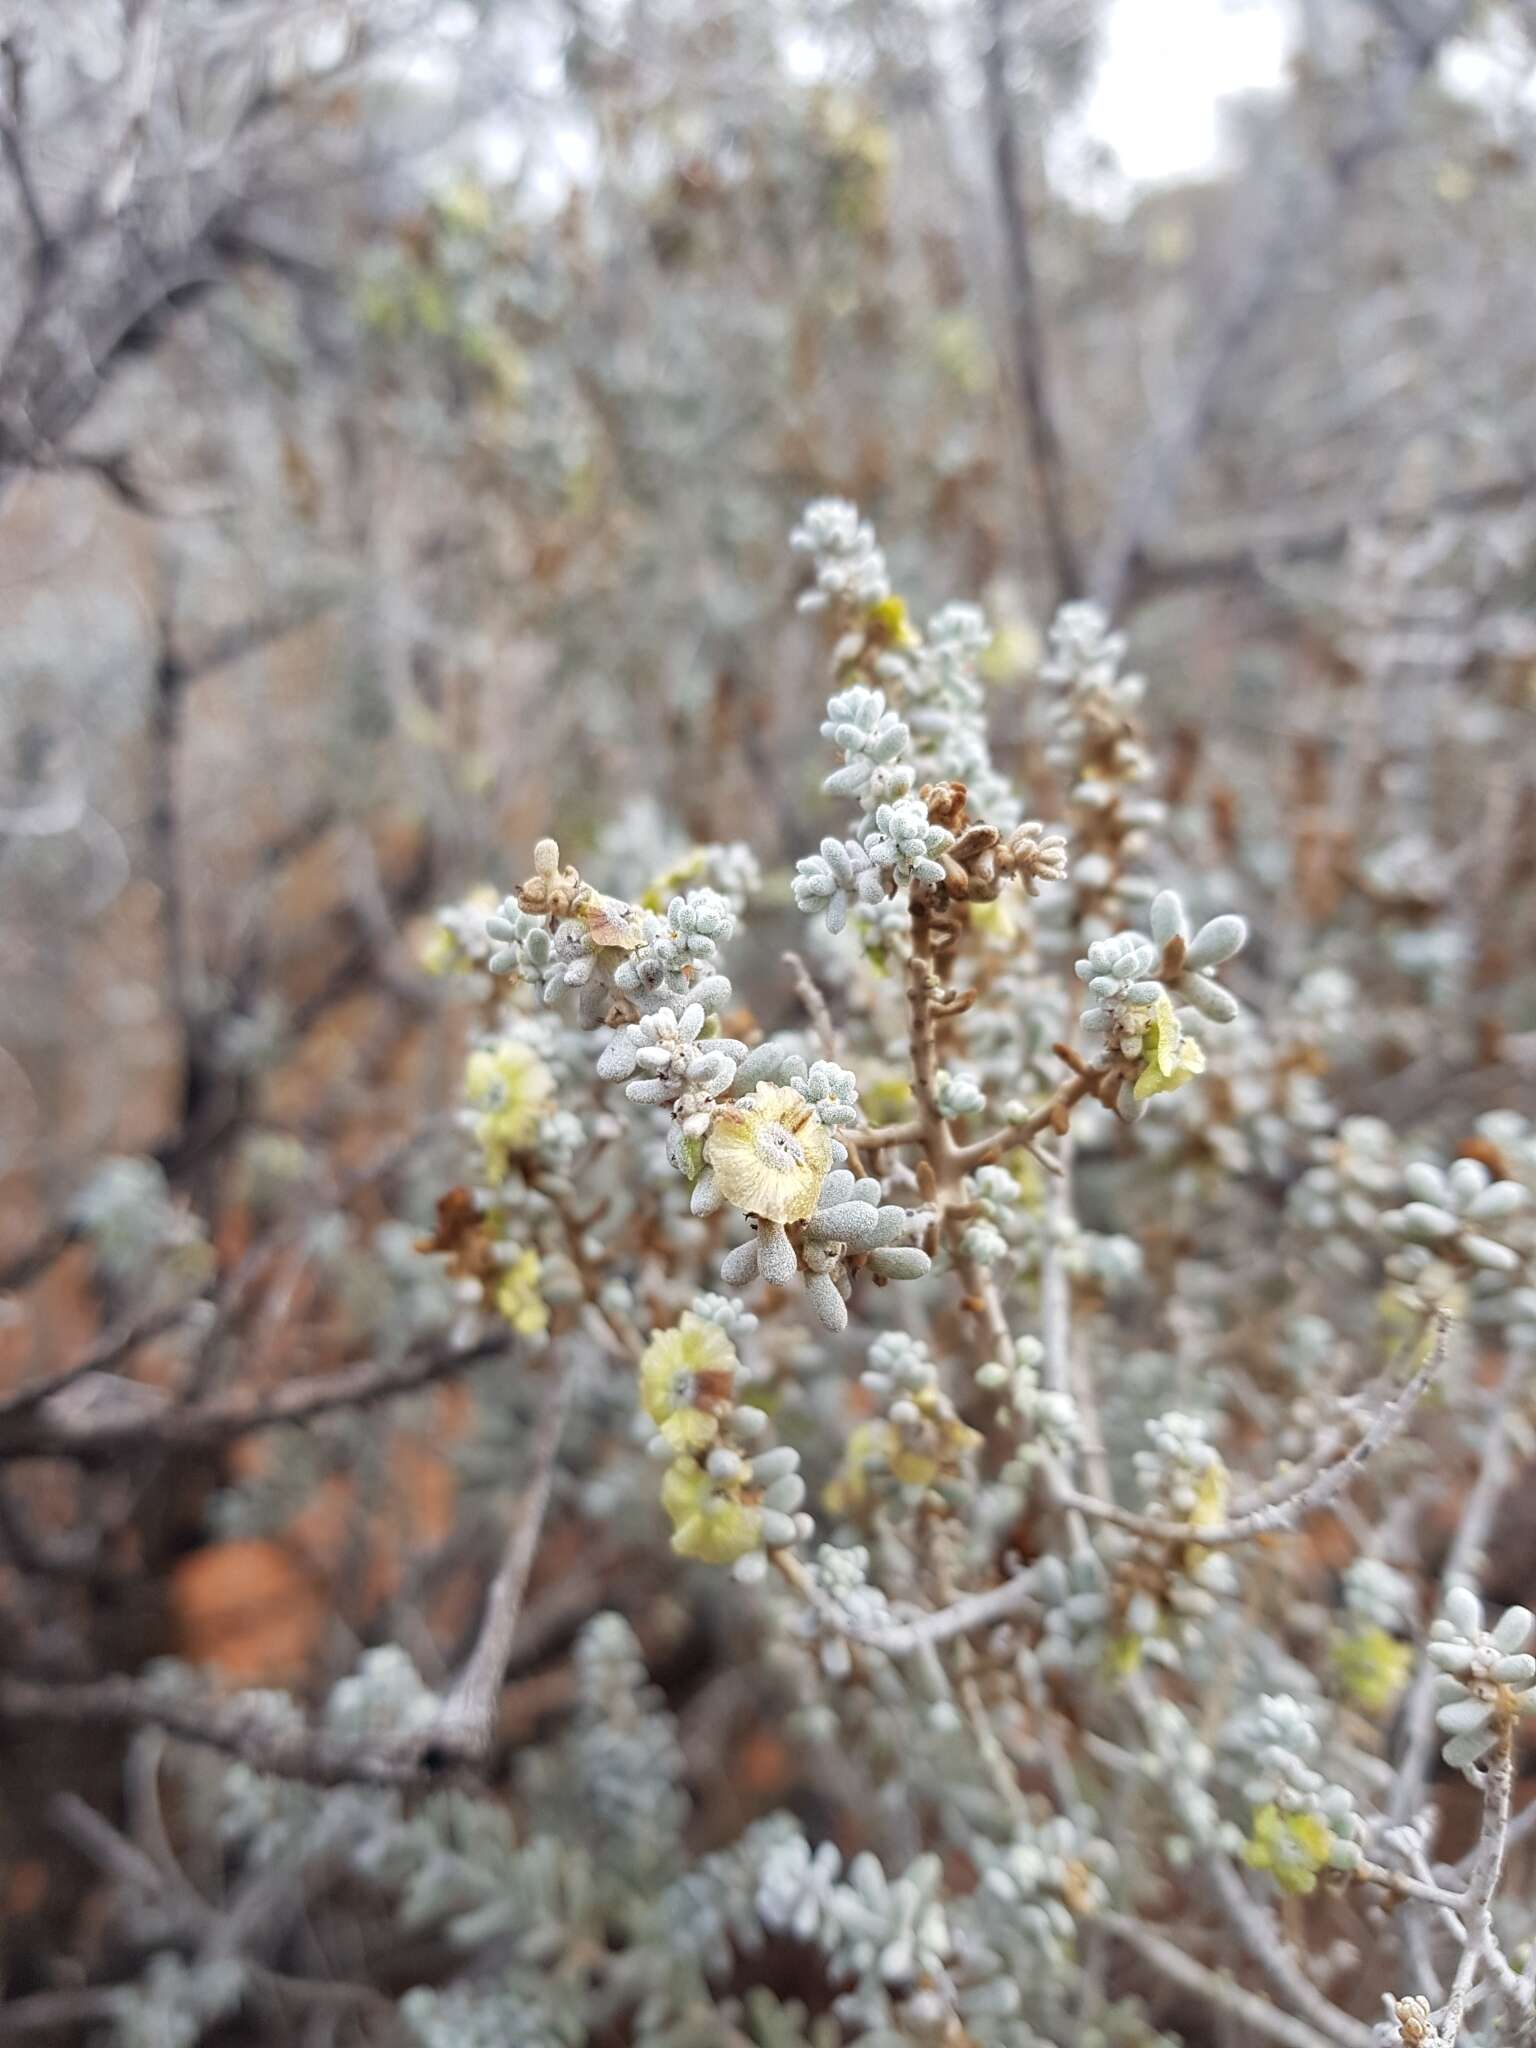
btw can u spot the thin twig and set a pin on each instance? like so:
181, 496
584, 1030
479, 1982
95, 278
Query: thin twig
233, 1932
905, 1637
1015, 1596
50, 2012
111, 1347
94, 1836
468, 1720
1274, 1516
1246, 2007
1460, 1566
1424, 1889
1489, 1862
1257, 549
13, 124
139, 71
815, 1006
228, 1416
1255, 1927
1064, 1370
49, 1245
241, 1725
1051, 1115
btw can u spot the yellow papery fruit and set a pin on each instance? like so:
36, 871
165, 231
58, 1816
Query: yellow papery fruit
712, 1528
771, 1153
685, 1375
995, 921
684, 1489
867, 1445
1170, 1057
440, 952
510, 1090
1123, 1656
913, 1468
1211, 1497
1292, 1847
685, 870
886, 1099
889, 620
518, 1298
1373, 1667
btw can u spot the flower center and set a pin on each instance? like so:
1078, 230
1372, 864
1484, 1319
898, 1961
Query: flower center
779, 1148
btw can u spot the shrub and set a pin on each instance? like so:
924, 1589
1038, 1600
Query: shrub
990, 1343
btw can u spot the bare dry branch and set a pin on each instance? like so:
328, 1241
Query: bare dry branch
1027, 327
1266, 241
221, 1419
468, 1722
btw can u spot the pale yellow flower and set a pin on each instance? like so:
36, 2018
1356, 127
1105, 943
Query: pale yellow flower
688, 869
885, 1097
770, 1153
1170, 1057
510, 1090
440, 952
1211, 1496
868, 1446
918, 1456
709, 1524
518, 1297
1372, 1667
1293, 1847
686, 1375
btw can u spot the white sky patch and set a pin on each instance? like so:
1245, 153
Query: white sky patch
805, 60
1494, 72
1154, 112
